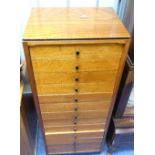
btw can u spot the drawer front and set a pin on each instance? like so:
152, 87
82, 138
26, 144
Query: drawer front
69, 98
90, 140
72, 127
72, 115
74, 52
74, 85
72, 137
78, 106
60, 149
59, 139
74, 148
71, 88
80, 77
70, 122
47, 65
88, 147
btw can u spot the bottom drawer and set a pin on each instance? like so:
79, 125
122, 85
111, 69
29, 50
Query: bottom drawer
69, 138
88, 147
74, 148
60, 149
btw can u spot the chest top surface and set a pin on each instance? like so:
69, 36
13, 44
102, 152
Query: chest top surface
74, 23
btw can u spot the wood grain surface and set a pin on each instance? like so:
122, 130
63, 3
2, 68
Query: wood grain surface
71, 114
81, 106
68, 52
71, 23
69, 122
70, 88
63, 45
78, 126
69, 98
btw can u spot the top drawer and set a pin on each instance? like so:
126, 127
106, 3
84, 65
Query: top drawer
72, 52
99, 57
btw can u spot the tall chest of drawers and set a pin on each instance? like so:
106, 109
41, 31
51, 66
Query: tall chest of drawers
75, 58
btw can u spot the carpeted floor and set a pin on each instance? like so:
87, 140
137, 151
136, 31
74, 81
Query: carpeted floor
121, 151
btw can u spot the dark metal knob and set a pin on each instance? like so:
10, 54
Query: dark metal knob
75, 118
77, 67
76, 109
76, 90
77, 53
75, 123
76, 79
76, 100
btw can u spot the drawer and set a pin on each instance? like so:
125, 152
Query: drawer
88, 147
73, 52
69, 66
69, 98
90, 140
69, 122
78, 127
71, 137
79, 106
74, 148
74, 115
60, 149
56, 139
80, 77
70, 88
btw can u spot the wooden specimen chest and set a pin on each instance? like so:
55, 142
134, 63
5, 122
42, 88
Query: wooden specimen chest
75, 58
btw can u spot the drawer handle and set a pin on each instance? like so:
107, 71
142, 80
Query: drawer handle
77, 67
76, 78
76, 90
75, 118
75, 123
77, 53
76, 100
76, 109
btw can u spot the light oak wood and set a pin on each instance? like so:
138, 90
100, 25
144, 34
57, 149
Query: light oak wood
60, 149
65, 66
80, 127
83, 77
69, 122
118, 79
75, 42
68, 52
81, 106
71, 23
71, 114
90, 140
69, 137
69, 98
51, 39
87, 147
70, 88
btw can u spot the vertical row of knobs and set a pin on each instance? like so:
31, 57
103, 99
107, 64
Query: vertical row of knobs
76, 100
